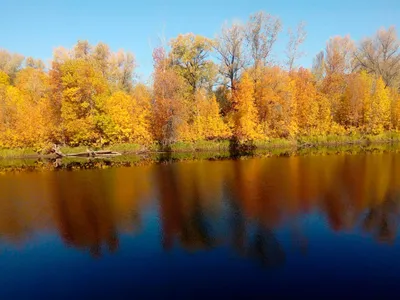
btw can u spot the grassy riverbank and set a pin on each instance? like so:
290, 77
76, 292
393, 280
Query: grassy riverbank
15, 165
224, 145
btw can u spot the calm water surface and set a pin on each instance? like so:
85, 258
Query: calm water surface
323, 226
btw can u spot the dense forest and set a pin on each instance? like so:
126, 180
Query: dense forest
228, 87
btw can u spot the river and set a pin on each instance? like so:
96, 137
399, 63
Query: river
315, 226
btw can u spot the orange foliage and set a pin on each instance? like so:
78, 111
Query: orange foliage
88, 97
245, 116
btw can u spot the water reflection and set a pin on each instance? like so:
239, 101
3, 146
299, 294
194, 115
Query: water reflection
205, 205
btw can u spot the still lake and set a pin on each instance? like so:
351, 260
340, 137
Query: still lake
316, 226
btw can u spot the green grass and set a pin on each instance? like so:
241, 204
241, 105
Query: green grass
275, 143
18, 152
70, 150
79, 163
200, 146
17, 162
122, 148
389, 136
125, 148
331, 140
272, 144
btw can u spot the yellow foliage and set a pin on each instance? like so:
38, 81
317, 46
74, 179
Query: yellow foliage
275, 102
333, 86
88, 97
33, 83
307, 102
207, 121
324, 118
126, 120
380, 108
4, 78
189, 59
395, 99
23, 122
245, 115
84, 91
354, 99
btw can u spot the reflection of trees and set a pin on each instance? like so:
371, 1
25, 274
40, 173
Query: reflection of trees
266, 249
84, 212
186, 215
300, 241
87, 208
382, 220
182, 210
251, 204
204, 204
171, 215
91, 207
238, 227
196, 232
24, 207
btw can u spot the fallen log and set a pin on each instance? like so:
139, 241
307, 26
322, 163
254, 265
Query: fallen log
56, 150
93, 153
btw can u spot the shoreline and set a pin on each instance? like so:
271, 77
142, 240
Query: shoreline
50, 163
387, 138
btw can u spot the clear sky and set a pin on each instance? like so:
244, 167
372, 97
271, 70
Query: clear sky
35, 28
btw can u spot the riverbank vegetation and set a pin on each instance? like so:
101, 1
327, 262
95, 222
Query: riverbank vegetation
204, 93
46, 163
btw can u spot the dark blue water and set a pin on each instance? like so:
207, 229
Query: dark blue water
323, 226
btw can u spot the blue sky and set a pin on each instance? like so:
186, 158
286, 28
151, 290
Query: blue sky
35, 28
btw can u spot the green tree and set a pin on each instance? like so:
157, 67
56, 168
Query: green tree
190, 57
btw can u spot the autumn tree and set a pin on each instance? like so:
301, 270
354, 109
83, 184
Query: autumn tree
207, 121
33, 84
380, 55
101, 56
245, 117
84, 91
356, 101
190, 58
262, 31
33, 63
24, 116
82, 50
296, 39
10, 63
395, 99
338, 61
229, 46
10, 107
339, 55
116, 67
380, 108
275, 102
306, 99
5, 111
318, 66
4, 78
127, 117
169, 107
121, 70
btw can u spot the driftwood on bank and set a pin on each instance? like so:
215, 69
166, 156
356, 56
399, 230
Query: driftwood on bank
89, 153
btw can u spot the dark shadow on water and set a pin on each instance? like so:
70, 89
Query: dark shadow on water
238, 149
165, 157
382, 221
266, 249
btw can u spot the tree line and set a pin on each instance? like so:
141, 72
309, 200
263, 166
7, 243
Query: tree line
228, 87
